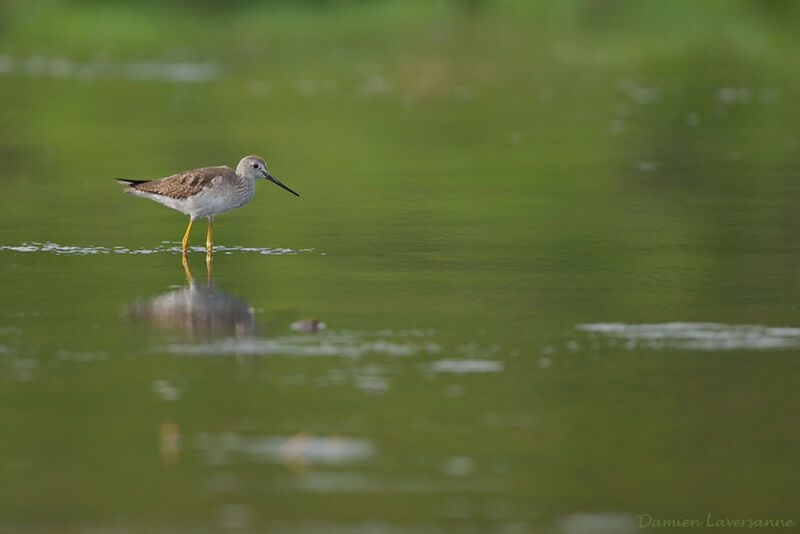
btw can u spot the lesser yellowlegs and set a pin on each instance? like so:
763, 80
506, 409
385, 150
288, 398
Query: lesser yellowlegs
205, 192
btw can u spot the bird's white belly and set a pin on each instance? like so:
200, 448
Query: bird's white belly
207, 202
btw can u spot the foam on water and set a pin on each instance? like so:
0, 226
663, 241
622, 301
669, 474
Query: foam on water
59, 67
463, 366
301, 447
364, 482
346, 345
695, 336
166, 247
598, 523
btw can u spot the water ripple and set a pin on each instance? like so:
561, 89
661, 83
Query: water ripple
59, 67
695, 336
166, 247
302, 448
330, 345
463, 366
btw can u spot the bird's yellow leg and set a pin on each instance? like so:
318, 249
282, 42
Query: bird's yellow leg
185, 241
209, 262
185, 262
209, 244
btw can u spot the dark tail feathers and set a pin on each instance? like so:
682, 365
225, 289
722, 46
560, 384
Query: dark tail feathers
132, 183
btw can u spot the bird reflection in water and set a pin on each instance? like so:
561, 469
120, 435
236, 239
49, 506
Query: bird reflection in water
169, 440
199, 310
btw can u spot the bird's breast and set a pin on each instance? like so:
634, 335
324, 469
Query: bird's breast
245, 192
212, 201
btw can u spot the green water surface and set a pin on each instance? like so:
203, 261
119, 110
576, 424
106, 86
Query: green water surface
495, 198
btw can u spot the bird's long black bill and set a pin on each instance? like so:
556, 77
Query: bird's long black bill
276, 182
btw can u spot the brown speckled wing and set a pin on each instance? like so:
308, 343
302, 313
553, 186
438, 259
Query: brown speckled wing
185, 184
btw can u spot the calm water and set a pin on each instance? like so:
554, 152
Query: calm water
534, 283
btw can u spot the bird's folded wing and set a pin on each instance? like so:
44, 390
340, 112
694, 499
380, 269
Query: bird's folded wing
187, 183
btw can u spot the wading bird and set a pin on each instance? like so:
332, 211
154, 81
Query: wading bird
205, 192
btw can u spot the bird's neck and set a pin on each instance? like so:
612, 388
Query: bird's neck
246, 185
245, 180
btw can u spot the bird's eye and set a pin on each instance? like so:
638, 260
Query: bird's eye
255, 165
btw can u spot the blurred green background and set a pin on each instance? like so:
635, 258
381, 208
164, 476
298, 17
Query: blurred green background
480, 180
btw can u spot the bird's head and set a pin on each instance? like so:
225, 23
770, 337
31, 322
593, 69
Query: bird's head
254, 167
